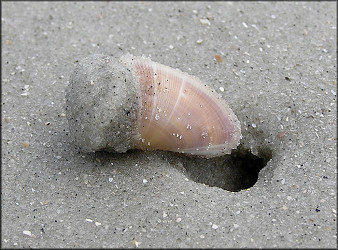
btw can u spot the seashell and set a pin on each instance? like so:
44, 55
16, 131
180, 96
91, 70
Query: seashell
154, 107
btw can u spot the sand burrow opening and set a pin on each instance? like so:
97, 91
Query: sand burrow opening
233, 172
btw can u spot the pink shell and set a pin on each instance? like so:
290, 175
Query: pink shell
181, 114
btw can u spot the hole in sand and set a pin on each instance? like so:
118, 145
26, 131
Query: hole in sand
233, 172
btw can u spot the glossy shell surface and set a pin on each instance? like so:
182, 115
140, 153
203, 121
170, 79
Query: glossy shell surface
179, 113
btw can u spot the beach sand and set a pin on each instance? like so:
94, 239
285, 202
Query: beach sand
273, 62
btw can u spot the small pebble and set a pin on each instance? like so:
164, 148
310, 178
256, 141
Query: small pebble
221, 89
281, 134
205, 21
214, 226
218, 58
199, 41
26, 144
136, 243
27, 232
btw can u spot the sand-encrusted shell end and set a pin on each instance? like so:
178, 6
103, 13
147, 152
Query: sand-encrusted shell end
103, 105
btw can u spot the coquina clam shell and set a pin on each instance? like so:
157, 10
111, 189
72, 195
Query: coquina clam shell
133, 102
